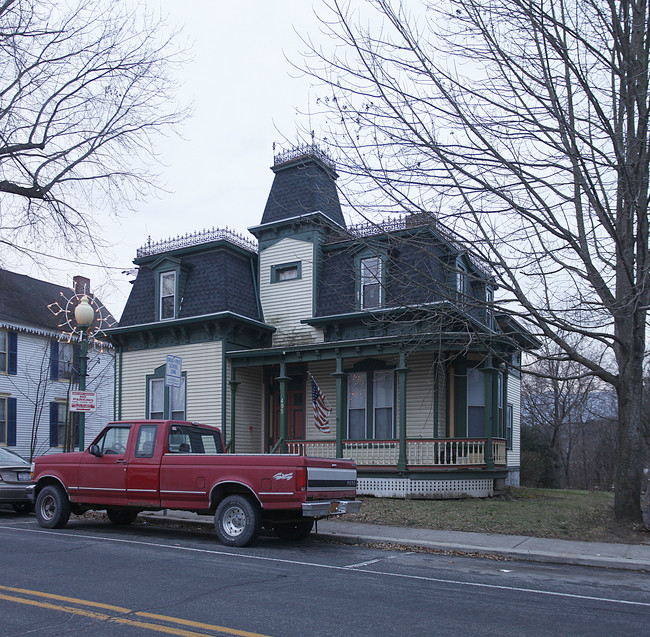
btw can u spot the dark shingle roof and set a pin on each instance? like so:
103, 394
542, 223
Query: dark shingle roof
303, 185
24, 300
219, 279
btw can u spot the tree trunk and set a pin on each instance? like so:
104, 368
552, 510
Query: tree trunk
629, 469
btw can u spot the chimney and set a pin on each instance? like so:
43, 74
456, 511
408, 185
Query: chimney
81, 285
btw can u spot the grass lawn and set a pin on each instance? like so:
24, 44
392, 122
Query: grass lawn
561, 514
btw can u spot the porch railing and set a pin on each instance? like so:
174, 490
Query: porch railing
419, 453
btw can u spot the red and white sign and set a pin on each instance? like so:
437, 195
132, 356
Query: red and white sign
83, 400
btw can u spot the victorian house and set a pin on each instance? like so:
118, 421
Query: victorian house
375, 342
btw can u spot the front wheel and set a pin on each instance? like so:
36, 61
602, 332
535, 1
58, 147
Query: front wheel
237, 521
52, 507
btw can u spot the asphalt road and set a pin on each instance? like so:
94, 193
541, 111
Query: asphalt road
92, 578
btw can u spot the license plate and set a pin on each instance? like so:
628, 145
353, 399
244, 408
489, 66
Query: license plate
25, 476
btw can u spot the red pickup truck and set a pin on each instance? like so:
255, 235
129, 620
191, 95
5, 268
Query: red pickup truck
149, 465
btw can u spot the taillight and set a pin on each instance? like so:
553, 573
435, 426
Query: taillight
301, 479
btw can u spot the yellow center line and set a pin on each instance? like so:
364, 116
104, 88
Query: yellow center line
62, 598
120, 620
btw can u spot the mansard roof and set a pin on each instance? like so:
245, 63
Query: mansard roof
219, 269
304, 183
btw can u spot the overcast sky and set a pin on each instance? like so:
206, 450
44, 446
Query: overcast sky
245, 96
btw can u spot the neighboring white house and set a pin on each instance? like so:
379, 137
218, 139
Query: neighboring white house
39, 366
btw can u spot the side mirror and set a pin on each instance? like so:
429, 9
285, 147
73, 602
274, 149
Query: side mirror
94, 449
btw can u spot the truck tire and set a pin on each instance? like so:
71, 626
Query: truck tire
52, 507
237, 521
122, 516
294, 530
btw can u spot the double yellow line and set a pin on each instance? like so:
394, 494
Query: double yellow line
117, 614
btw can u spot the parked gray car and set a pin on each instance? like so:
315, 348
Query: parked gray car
15, 481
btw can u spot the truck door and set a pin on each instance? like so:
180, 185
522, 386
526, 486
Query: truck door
102, 479
143, 471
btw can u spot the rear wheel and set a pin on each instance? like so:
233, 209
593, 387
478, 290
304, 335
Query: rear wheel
121, 516
294, 530
52, 507
237, 521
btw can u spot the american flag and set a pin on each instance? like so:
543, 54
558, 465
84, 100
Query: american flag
321, 407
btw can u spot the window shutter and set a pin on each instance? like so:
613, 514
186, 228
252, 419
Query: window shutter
54, 360
12, 351
12, 407
54, 424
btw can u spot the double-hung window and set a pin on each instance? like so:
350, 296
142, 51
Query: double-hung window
475, 403
370, 282
166, 402
8, 352
64, 426
371, 398
167, 295
66, 358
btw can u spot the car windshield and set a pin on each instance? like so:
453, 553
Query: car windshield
11, 458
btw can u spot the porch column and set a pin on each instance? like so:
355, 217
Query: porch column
233, 390
402, 370
491, 410
339, 374
283, 379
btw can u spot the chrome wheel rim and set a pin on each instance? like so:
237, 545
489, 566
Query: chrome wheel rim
234, 521
48, 507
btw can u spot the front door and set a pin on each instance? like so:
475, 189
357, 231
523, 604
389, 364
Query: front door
295, 409
102, 479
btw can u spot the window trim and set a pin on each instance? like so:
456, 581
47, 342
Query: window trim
278, 269
161, 298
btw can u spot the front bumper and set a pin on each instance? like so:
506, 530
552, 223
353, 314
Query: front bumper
324, 508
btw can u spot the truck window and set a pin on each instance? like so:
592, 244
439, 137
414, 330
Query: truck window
114, 440
146, 441
187, 439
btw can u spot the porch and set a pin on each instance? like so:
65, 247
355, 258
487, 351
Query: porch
429, 454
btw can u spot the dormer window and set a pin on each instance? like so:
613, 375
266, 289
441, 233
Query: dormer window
286, 272
370, 278
462, 282
167, 295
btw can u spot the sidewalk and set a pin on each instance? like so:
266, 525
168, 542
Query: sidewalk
623, 556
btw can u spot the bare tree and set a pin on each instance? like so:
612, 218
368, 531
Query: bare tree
85, 86
571, 406
524, 126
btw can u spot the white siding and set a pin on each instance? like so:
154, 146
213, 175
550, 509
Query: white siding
286, 303
203, 363
514, 398
420, 397
249, 411
34, 391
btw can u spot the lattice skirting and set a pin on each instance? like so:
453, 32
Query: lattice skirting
433, 489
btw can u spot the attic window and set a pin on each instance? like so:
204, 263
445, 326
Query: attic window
167, 295
286, 272
370, 282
